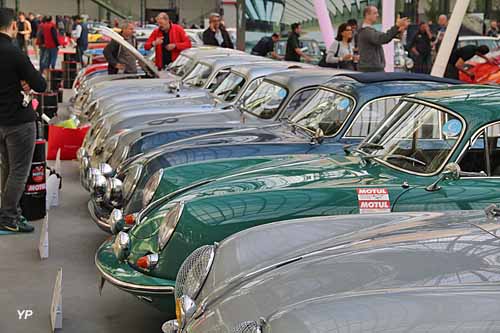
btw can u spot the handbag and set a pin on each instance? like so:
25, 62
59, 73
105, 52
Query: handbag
324, 63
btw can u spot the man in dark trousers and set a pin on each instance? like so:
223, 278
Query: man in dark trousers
370, 41
17, 123
459, 56
81, 35
421, 48
216, 34
293, 47
121, 60
168, 39
266, 46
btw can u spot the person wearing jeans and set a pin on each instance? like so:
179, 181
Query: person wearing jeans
17, 123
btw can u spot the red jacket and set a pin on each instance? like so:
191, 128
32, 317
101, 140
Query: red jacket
49, 35
177, 36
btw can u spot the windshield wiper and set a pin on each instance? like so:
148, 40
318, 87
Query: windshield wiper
370, 145
403, 157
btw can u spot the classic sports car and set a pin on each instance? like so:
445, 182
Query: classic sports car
242, 81
102, 86
341, 112
418, 272
299, 85
413, 162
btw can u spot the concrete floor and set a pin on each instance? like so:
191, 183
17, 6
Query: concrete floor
27, 282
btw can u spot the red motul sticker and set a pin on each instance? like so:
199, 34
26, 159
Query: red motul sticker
36, 188
38, 174
373, 200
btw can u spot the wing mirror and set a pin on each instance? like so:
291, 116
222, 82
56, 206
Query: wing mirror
452, 171
318, 137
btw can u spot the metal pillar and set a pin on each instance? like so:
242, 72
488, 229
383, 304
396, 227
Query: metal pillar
241, 23
143, 9
388, 18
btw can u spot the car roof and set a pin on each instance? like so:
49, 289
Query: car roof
397, 76
264, 68
229, 60
475, 103
295, 79
208, 50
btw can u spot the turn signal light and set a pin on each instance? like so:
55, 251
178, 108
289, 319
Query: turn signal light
147, 262
130, 219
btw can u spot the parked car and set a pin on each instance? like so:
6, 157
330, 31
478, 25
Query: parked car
492, 42
432, 272
299, 85
309, 47
435, 152
241, 82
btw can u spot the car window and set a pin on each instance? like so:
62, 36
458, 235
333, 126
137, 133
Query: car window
229, 88
326, 110
251, 88
370, 116
265, 100
416, 138
296, 102
198, 76
484, 153
218, 79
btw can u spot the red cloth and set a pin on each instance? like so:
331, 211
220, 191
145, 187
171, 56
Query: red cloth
48, 39
177, 36
66, 139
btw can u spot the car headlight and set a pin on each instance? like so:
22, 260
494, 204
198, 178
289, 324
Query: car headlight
106, 169
169, 223
114, 192
150, 188
170, 326
119, 155
116, 221
121, 245
98, 187
130, 181
194, 272
185, 308
110, 147
248, 327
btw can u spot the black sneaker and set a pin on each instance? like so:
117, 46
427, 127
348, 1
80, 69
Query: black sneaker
21, 225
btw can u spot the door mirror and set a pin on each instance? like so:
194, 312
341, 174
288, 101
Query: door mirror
451, 171
318, 137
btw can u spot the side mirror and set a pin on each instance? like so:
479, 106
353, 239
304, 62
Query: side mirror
318, 137
451, 171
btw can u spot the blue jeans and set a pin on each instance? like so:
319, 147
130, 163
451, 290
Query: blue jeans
48, 58
17, 145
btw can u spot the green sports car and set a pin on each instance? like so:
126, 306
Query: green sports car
438, 150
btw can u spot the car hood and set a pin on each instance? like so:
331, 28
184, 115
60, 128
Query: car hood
394, 253
321, 183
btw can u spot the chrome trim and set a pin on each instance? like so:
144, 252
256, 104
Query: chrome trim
438, 107
102, 224
362, 109
131, 287
172, 227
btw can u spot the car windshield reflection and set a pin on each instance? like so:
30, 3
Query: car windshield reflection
266, 100
416, 138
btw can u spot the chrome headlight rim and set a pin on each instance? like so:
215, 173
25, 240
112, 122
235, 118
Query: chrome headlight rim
185, 308
114, 192
132, 176
115, 219
121, 245
171, 326
151, 186
109, 148
169, 224
199, 262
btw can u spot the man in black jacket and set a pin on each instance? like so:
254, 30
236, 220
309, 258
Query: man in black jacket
17, 123
216, 34
121, 60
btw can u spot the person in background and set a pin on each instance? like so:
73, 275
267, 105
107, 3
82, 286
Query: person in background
353, 23
216, 34
293, 46
371, 53
23, 32
443, 24
168, 39
50, 44
35, 23
421, 49
17, 123
81, 35
493, 31
266, 45
341, 52
121, 60
459, 56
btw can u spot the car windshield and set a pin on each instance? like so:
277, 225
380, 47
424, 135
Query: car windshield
326, 110
265, 100
178, 67
416, 138
218, 78
198, 75
230, 87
